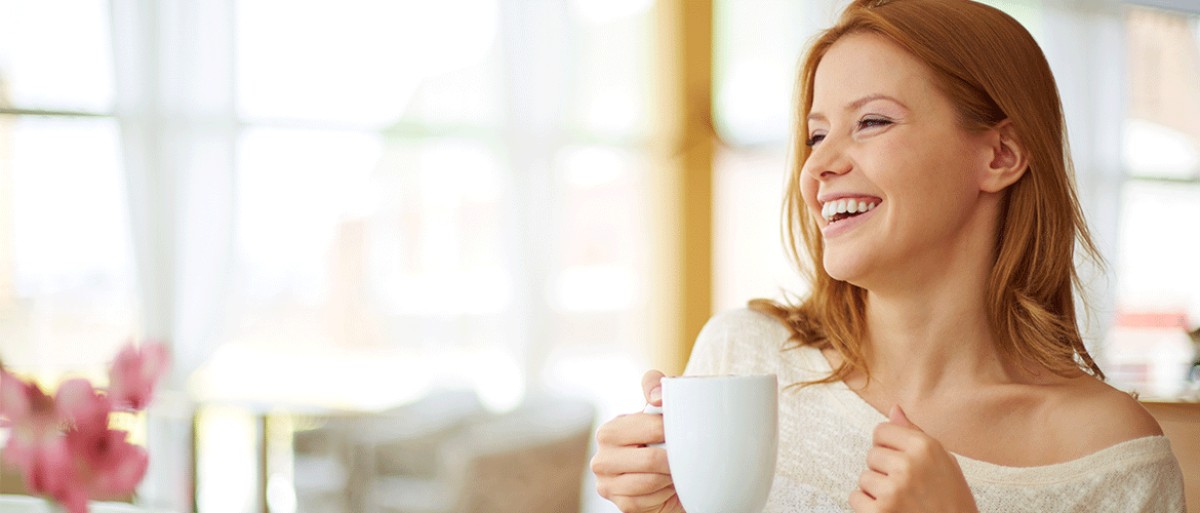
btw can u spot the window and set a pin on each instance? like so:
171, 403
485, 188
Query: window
458, 205
428, 202
1158, 279
757, 48
336, 203
68, 294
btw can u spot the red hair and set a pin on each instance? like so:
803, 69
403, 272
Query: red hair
992, 70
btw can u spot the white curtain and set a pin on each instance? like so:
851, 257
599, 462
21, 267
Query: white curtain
174, 101
535, 95
1084, 42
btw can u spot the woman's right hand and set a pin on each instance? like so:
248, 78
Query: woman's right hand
633, 476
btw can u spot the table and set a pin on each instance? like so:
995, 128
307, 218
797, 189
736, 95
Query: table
27, 504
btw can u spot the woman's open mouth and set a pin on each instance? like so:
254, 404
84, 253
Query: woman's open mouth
845, 208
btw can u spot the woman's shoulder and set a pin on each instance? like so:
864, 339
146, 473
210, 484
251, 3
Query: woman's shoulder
1092, 415
740, 340
745, 319
741, 329
1069, 431
1139, 475
1128, 460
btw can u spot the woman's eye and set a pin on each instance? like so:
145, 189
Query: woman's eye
873, 122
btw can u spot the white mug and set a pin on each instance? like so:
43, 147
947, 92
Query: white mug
721, 440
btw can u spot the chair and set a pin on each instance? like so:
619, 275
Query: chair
530, 460
335, 463
321, 467
405, 440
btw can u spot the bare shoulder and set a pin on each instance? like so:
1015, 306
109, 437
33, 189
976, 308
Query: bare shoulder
1092, 415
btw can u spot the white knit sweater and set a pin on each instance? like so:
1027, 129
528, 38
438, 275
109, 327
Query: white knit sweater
825, 432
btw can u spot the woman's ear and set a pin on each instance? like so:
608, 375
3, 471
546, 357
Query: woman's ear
1009, 159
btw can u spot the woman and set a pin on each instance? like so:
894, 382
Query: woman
939, 364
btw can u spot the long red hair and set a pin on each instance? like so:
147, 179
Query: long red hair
991, 69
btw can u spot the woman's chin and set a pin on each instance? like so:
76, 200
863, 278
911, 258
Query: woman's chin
840, 271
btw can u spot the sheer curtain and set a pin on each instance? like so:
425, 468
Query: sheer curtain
174, 77
1084, 42
348, 203
174, 104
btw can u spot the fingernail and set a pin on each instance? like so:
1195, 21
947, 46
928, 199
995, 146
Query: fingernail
656, 394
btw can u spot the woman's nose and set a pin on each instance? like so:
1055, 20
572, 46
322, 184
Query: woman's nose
827, 160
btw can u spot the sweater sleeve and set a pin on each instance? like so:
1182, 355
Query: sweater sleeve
713, 352
1137, 476
739, 341
1153, 487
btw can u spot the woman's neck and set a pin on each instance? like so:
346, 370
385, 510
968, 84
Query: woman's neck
923, 344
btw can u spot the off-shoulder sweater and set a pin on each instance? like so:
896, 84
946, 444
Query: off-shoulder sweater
825, 431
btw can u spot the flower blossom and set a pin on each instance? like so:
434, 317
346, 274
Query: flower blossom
100, 462
34, 420
64, 446
134, 374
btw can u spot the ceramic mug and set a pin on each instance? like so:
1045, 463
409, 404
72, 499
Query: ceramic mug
721, 440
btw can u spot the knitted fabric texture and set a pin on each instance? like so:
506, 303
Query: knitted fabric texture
825, 432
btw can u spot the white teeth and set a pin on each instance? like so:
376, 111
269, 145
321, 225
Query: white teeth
831, 209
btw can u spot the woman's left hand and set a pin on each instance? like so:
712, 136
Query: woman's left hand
909, 471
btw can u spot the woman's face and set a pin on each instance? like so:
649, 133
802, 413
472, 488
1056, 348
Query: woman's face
886, 141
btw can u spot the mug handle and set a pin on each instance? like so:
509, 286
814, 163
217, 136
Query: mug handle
654, 410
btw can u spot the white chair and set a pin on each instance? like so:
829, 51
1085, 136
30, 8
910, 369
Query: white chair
530, 460
321, 467
335, 464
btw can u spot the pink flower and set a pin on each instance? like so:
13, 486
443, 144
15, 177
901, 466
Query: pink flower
134, 374
64, 446
80, 466
107, 464
85, 409
20, 400
51, 472
35, 421
113, 466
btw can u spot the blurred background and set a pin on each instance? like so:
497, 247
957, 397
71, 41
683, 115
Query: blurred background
408, 254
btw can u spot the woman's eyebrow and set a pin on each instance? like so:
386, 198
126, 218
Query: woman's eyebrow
854, 105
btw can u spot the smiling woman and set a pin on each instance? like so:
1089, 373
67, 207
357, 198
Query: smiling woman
936, 365
978, 97
910, 158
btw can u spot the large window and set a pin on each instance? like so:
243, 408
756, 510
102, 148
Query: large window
442, 198
333, 204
